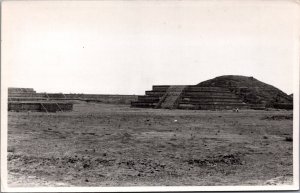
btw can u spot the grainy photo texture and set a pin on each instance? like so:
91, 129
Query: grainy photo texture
150, 93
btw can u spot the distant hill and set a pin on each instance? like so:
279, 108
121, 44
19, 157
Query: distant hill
251, 90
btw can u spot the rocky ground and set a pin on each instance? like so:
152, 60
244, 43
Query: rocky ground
115, 145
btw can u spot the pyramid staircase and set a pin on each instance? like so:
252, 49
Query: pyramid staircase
171, 97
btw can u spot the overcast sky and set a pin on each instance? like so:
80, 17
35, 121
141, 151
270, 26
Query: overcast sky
125, 47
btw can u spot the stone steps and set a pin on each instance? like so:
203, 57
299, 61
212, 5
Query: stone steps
26, 98
171, 97
209, 94
27, 95
206, 89
189, 97
19, 92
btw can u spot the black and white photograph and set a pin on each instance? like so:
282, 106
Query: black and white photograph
149, 95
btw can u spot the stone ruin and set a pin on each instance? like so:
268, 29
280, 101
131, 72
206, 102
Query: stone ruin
189, 97
223, 92
27, 99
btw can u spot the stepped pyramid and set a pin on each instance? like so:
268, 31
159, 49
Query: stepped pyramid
252, 91
27, 99
223, 92
189, 97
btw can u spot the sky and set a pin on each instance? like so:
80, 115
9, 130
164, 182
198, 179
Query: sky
125, 47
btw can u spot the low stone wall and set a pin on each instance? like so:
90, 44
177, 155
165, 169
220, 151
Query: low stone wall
40, 106
148, 99
142, 104
112, 99
53, 107
28, 94
13, 106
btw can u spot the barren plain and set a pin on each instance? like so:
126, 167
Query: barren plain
116, 145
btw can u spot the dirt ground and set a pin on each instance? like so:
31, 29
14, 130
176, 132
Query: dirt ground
115, 145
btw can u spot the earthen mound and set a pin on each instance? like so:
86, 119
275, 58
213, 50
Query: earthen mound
252, 91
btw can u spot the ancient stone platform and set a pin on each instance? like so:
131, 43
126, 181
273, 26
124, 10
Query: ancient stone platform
190, 97
27, 99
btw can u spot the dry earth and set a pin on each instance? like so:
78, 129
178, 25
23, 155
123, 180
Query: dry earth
115, 145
